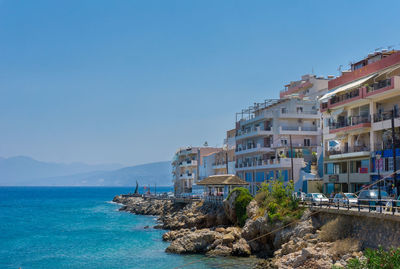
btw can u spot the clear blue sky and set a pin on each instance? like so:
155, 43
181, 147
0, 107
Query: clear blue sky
130, 81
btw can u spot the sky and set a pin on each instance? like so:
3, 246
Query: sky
131, 81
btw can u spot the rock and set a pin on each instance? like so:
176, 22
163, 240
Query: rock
228, 239
241, 248
252, 209
252, 228
193, 242
220, 230
229, 207
220, 251
338, 265
235, 231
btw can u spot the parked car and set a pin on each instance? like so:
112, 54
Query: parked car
299, 195
316, 198
370, 197
345, 199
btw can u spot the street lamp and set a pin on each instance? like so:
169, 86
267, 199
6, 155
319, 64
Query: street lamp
378, 158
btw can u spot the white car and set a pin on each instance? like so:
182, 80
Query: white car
345, 199
317, 199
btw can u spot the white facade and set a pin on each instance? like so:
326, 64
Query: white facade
264, 131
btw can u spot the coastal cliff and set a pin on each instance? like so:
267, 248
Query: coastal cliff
212, 230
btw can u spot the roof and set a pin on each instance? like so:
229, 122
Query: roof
222, 180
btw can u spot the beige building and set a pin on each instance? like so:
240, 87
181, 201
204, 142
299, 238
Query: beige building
186, 165
357, 127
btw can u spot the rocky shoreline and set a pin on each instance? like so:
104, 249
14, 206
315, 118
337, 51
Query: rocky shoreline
211, 230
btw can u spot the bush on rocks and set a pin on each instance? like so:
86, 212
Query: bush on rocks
276, 199
243, 198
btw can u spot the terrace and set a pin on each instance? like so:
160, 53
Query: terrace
350, 123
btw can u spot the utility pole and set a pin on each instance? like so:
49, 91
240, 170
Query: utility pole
226, 160
377, 161
291, 155
394, 156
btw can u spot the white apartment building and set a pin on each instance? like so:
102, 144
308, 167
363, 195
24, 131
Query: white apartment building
357, 127
264, 131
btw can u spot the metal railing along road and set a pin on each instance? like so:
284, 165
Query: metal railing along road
380, 205
384, 206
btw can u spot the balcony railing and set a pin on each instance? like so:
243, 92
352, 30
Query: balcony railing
347, 96
300, 112
348, 150
379, 85
253, 130
387, 115
251, 146
290, 128
299, 128
350, 121
257, 163
384, 145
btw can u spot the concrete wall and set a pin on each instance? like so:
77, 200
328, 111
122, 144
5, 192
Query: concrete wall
372, 229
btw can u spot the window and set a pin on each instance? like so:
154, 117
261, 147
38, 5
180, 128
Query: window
284, 110
284, 142
299, 109
307, 142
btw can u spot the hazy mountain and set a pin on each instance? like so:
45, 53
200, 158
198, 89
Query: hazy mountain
24, 171
15, 170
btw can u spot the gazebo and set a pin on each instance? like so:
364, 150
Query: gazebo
217, 187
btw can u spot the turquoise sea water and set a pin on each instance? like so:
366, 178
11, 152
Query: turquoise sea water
78, 227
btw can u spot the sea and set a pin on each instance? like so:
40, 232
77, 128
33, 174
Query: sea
80, 227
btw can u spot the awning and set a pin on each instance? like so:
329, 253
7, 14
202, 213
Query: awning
349, 86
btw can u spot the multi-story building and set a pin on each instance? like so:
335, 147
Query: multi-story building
186, 165
215, 163
224, 160
264, 132
357, 125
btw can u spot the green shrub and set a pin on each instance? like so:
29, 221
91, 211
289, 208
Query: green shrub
241, 202
276, 199
377, 259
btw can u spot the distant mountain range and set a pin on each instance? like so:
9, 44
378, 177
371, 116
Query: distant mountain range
25, 171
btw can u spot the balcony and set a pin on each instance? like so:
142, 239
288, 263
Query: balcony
188, 163
350, 123
251, 148
254, 132
219, 165
295, 145
345, 98
381, 86
254, 118
312, 114
187, 176
349, 152
269, 164
298, 130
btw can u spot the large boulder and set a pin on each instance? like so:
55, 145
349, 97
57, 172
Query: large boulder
241, 248
229, 207
220, 250
194, 242
253, 228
